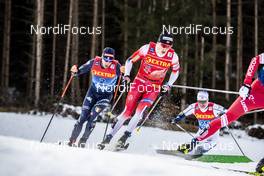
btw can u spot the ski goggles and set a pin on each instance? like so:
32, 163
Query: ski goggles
108, 57
202, 102
163, 45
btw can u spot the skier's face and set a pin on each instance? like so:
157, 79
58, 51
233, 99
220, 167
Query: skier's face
106, 64
162, 48
202, 104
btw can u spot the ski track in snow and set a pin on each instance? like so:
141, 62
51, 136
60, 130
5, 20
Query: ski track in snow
22, 154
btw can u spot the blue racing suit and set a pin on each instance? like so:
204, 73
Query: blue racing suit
98, 97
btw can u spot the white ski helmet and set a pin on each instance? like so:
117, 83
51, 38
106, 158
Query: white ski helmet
202, 96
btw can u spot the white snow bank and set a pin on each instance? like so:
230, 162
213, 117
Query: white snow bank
25, 158
255, 126
77, 109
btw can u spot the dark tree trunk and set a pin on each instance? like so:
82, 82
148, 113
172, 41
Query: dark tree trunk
214, 49
202, 62
103, 25
75, 86
125, 29
95, 23
239, 58
6, 46
68, 45
256, 41
228, 45
53, 66
40, 19
196, 60
185, 71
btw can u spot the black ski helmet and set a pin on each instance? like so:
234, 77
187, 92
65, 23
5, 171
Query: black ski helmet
108, 54
166, 38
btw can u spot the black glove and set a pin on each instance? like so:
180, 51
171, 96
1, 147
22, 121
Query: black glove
165, 90
178, 118
74, 70
244, 91
194, 142
126, 80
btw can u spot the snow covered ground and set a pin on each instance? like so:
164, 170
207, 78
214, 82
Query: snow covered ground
22, 154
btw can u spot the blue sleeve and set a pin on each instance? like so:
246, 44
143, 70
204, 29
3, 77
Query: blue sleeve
85, 68
181, 116
118, 71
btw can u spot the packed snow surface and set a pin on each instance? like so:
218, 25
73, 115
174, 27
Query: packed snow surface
22, 154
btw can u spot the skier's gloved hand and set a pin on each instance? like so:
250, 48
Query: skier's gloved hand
74, 70
122, 69
194, 142
126, 79
204, 130
165, 89
178, 118
110, 115
244, 91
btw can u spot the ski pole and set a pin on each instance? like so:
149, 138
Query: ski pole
206, 89
153, 107
57, 106
255, 111
184, 130
108, 119
236, 141
118, 84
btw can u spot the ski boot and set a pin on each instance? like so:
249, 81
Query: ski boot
71, 143
106, 140
184, 148
260, 166
82, 142
187, 148
88, 130
121, 143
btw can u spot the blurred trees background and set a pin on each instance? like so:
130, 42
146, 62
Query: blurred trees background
34, 68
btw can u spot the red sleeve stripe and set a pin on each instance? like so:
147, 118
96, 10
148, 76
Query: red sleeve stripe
175, 70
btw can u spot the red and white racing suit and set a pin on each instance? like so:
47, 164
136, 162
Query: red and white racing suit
241, 106
204, 117
146, 85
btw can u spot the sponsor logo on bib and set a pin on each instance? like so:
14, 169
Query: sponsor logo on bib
103, 74
150, 60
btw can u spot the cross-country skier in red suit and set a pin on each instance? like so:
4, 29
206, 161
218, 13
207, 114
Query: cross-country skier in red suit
156, 59
251, 98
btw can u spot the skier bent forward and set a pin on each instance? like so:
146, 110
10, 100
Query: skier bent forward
156, 59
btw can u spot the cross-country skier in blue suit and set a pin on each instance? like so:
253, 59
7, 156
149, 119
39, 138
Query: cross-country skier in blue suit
105, 74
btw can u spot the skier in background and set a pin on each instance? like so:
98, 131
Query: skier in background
251, 98
205, 112
105, 74
156, 59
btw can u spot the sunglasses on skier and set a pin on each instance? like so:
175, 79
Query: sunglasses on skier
108, 57
163, 45
202, 102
